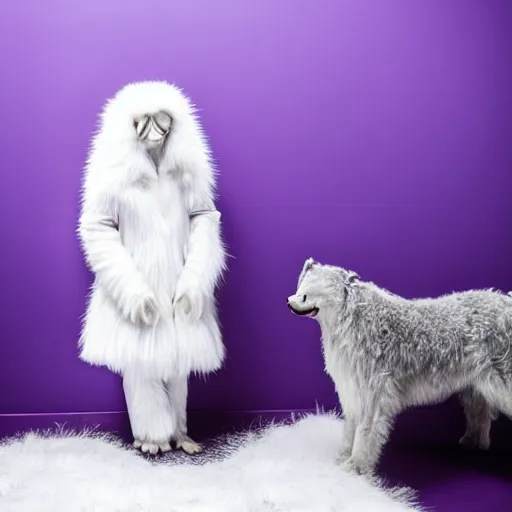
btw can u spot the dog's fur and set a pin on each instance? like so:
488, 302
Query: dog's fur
386, 353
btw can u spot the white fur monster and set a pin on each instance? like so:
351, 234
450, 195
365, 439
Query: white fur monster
386, 353
151, 235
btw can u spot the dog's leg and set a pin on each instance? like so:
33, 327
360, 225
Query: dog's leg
479, 416
177, 389
349, 430
370, 437
151, 418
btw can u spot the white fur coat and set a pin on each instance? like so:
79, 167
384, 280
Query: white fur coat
141, 239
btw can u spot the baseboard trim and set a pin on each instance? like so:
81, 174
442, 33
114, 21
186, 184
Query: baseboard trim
427, 426
202, 423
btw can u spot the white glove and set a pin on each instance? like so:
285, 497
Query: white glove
145, 311
188, 299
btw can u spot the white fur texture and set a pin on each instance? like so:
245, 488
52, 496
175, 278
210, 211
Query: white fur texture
288, 469
386, 354
152, 305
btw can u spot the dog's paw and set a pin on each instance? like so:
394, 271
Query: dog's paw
188, 446
357, 466
343, 455
151, 448
470, 442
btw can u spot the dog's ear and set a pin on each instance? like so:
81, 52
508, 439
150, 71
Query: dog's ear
307, 265
310, 262
352, 277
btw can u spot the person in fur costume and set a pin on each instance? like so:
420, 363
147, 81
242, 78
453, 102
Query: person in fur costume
151, 235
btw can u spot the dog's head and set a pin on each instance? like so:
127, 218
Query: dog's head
319, 287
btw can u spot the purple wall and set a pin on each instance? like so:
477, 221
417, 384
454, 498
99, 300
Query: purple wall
370, 134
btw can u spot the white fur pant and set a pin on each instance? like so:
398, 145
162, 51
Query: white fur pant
157, 409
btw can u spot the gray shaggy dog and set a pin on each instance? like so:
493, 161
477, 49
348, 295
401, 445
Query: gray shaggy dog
386, 353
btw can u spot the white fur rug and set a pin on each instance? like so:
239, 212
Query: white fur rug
282, 469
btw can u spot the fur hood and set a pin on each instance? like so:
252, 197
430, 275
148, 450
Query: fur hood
115, 146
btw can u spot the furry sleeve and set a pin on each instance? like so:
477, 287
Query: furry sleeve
106, 256
206, 258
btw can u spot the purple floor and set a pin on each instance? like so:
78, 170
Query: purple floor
451, 480
423, 452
